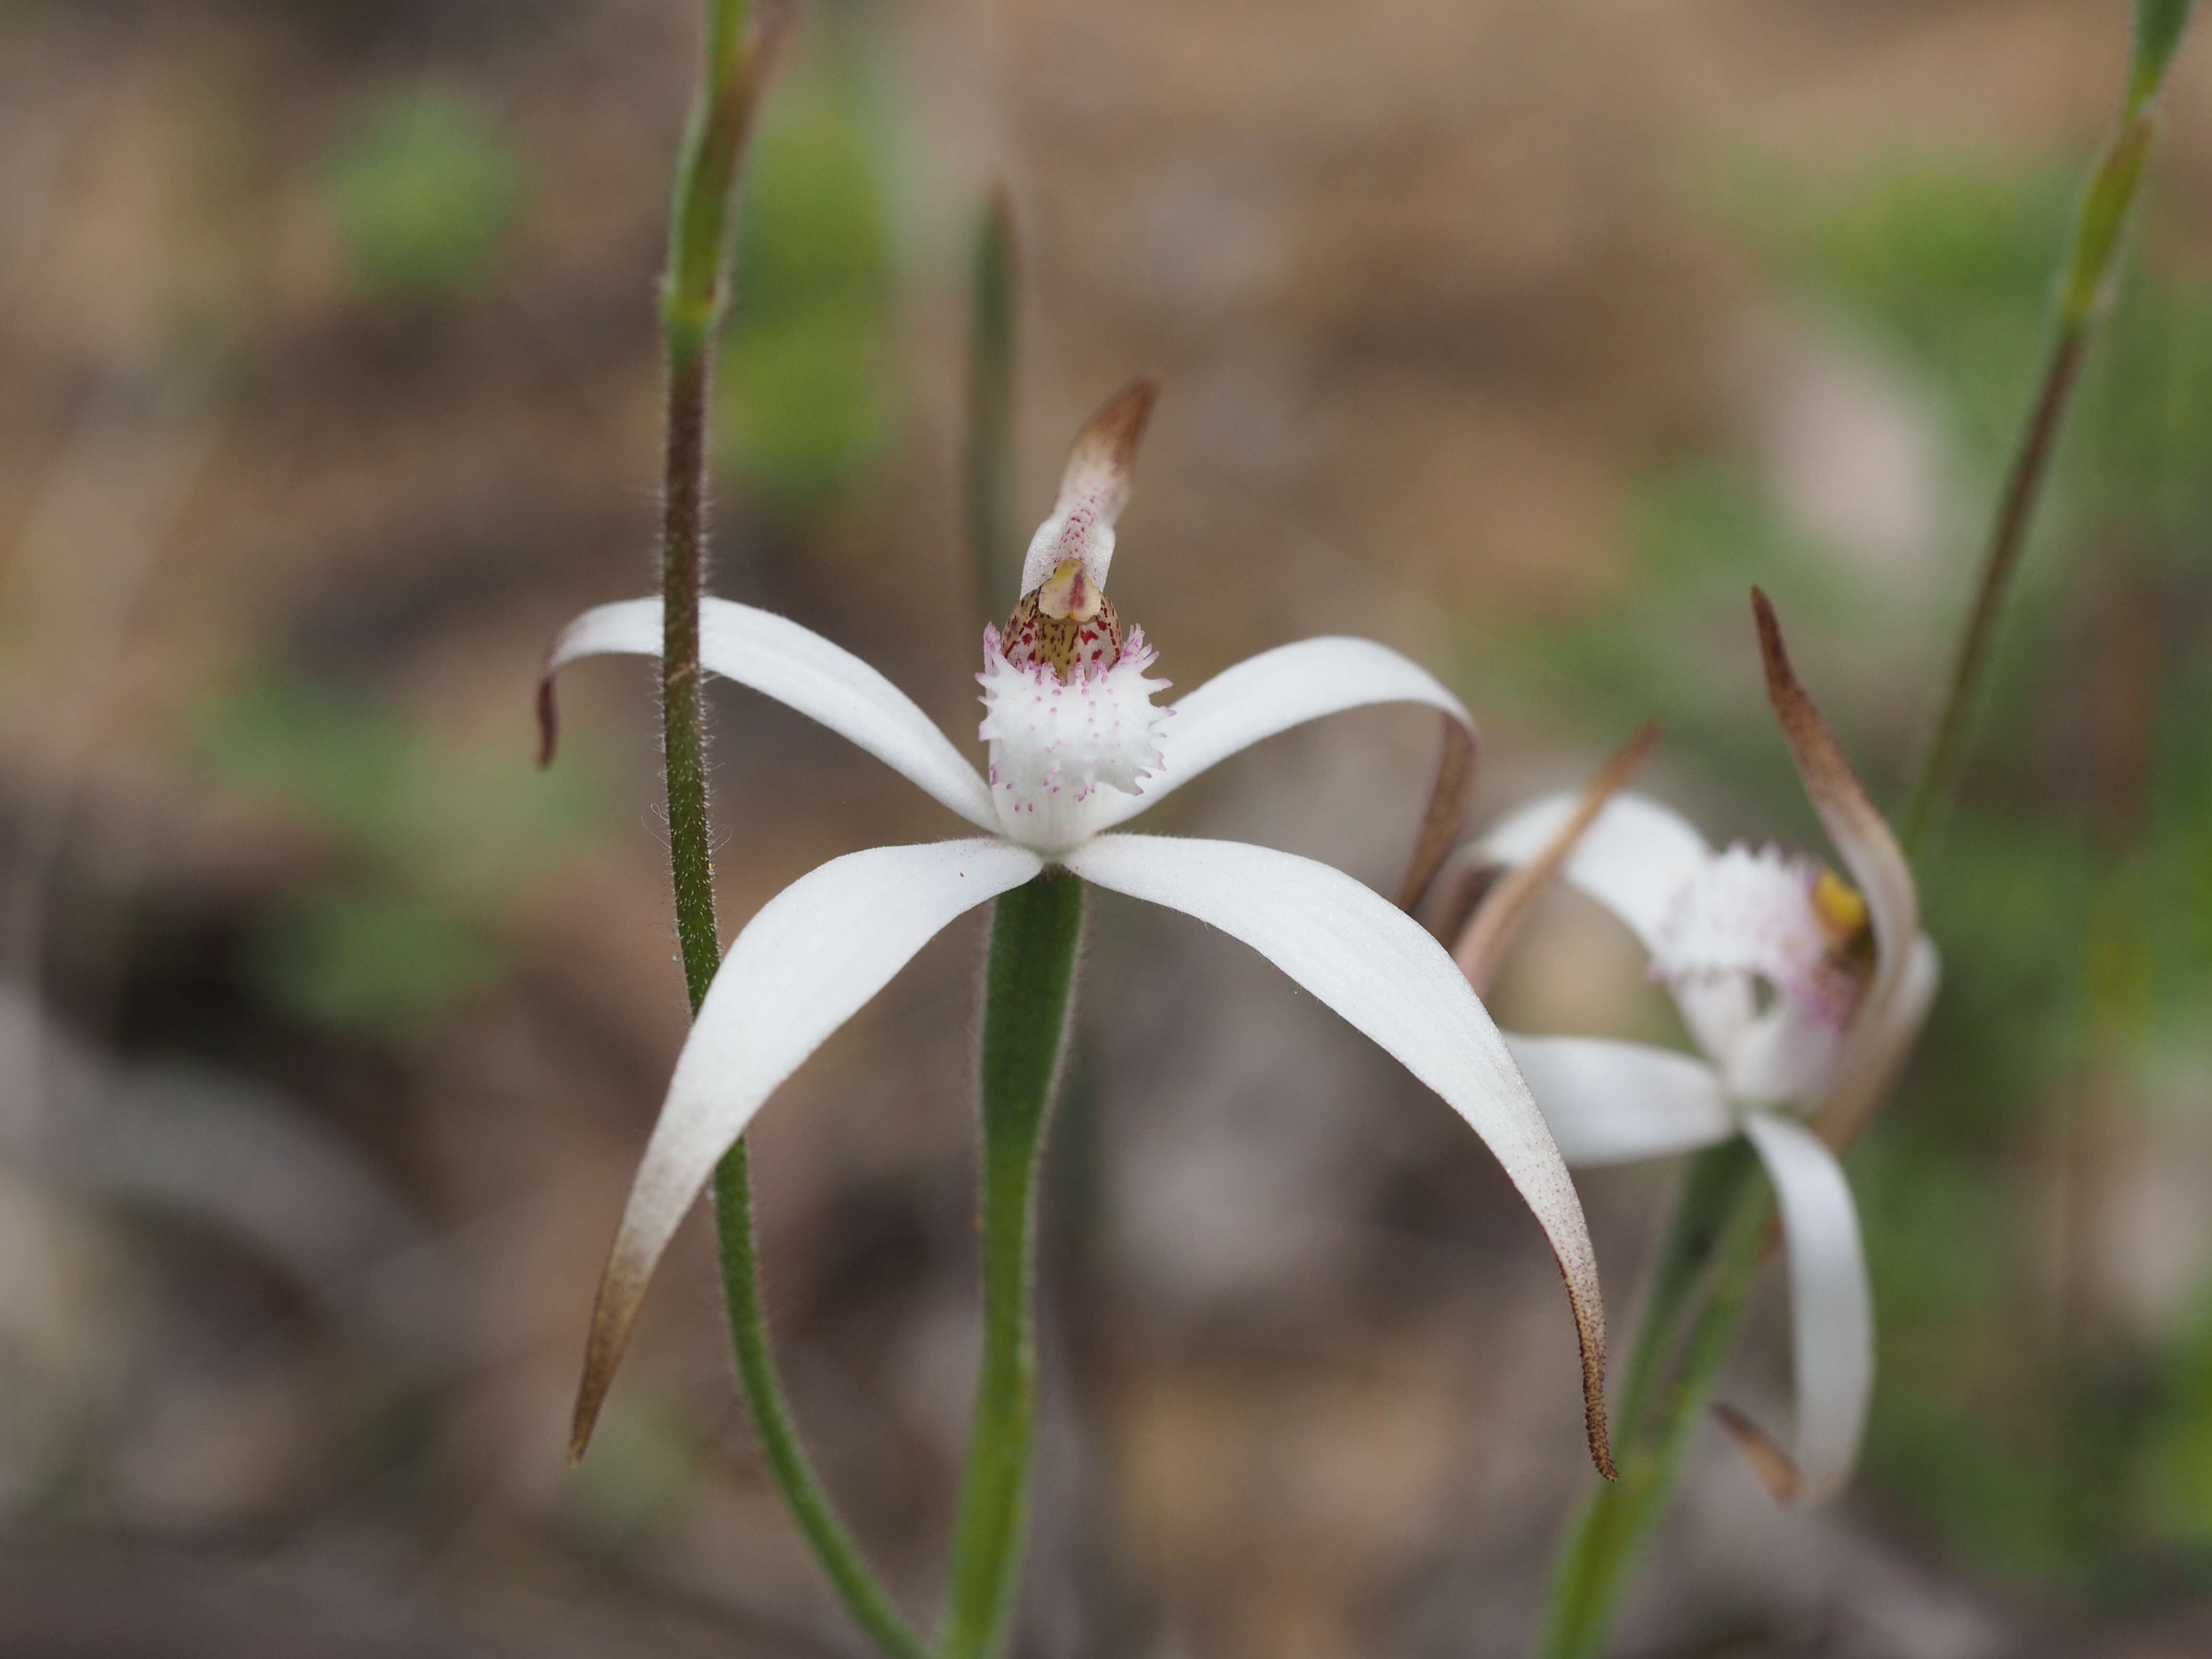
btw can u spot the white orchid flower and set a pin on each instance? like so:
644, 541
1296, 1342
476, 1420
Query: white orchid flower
1078, 747
1802, 997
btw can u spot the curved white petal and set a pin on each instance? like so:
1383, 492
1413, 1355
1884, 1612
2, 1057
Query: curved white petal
1831, 1306
1377, 968
1276, 691
798, 668
803, 966
1633, 858
1614, 1103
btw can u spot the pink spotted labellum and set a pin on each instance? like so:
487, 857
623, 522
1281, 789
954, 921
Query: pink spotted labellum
1802, 994
1077, 748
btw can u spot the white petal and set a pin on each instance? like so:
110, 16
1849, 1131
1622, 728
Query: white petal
1831, 1306
802, 967
1377, 968
1633, 858
1278, 689
1614, 1103
798, 668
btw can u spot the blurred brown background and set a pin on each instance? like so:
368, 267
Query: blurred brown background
331, 1031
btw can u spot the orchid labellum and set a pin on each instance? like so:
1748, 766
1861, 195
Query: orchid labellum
1077, 748
1802, 994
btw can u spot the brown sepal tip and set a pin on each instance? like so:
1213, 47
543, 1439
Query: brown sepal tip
1776, 1469
1819, 756
1445, 815
1112, 433
548, 722
603, 1353
1589, 1337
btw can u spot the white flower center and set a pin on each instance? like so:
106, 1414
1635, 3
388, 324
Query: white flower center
1061, 749
1767, 917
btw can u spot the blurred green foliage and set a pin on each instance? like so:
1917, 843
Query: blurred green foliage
425, 189
2158, 27
428, 843
2023, 1413
804, 399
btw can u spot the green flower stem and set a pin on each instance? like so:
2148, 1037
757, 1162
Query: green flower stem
1029, 995
691, 304
2085, 293
849, 1574
991, 532
692, 300
1705, 1271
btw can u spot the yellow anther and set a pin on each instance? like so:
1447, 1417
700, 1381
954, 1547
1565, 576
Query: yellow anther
1069, 594
1842, 911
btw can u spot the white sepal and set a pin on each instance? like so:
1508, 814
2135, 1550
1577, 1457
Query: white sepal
1274, 691
1381, 970
812, 956
1635, 857
1613, 1102
1831, 1303
800, 669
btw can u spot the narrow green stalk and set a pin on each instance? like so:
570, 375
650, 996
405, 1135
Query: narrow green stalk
2085, 293
1029, 995
1705, 1271
692, 299
864, 1598
991, 408
683, 723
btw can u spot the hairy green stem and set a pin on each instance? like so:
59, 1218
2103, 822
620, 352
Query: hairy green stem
692, 300
2086, 284
1028, 996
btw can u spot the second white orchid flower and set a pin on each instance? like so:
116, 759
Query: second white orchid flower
1077, 748
1802, 995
